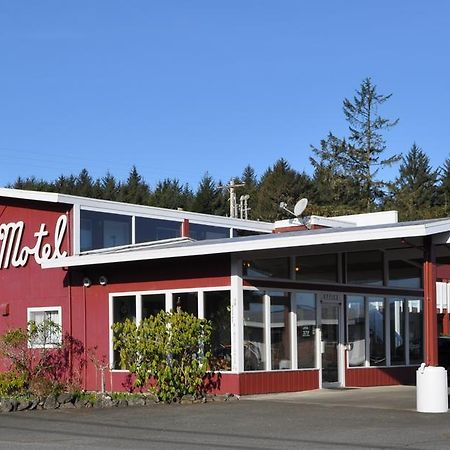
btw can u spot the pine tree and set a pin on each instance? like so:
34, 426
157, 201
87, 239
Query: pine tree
332, 186
444, 187
280, 183
171, 194
414, 190
84, 185
208, 198
65, 185
135, 190
109, 187
31, 184
364, 156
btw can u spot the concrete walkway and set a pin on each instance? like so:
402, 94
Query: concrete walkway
400, 398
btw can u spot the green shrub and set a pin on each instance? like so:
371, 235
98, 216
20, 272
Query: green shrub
90, 397
166, 352
12, 384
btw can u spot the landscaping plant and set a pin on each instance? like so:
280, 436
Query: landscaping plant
40, 360
167, 353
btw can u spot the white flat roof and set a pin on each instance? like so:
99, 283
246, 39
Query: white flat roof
440, 227
141, 210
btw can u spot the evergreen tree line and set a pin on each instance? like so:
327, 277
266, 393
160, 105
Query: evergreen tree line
345, 177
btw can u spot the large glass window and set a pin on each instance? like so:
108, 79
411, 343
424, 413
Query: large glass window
267, 268
305, 308
365, 268
202, 232
123, 308
316, 268
239, 233
406, 274
218, 311
415, 325
103, 230
254, 342
148, 230
280, 340
186, 301
356, 331
377, 331
153, 304
397, 330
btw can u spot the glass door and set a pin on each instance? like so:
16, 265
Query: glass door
331, 343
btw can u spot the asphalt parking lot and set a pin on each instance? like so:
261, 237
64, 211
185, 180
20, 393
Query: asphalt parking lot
370, 418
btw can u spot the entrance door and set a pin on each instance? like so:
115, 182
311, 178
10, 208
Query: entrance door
332, 347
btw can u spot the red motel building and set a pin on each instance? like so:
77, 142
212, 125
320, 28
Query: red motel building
346, 301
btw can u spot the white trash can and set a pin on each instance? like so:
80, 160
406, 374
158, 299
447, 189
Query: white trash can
431, 389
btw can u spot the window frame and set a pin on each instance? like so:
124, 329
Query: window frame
387, 330
40, 309
169, 303
266, 302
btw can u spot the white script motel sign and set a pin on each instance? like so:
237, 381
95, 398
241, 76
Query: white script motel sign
12, 252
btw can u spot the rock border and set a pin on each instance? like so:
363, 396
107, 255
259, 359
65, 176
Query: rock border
100, 400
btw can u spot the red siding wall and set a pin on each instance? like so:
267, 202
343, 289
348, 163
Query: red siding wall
246, 383
31, 286
92, 303
288, 381
376, 376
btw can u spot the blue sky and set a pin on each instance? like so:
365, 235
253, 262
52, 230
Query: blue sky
179, 88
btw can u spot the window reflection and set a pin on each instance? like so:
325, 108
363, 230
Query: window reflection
148, 230
365, 268
415, 322
153, 304
280, 347
377, 331
201, 232
356, 331
123, 308
397, 331
305, 304
103, 230
218, 311
316, 268
267, 268
406, 274
254, 344
187, 302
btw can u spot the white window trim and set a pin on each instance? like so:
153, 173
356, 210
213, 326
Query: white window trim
293, 332
168, 307
76, 230
37, 309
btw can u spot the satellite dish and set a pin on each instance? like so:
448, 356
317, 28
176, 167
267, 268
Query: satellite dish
300, 206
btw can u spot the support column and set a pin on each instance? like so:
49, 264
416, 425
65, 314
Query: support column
237, 316
430, 310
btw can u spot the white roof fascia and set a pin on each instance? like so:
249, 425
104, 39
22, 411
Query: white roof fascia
376, 218
130, 209
264, 242
51, 197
